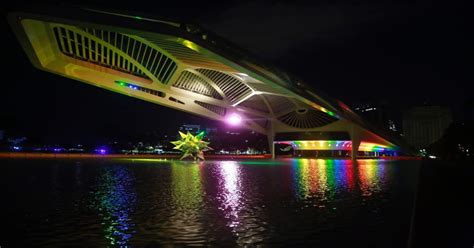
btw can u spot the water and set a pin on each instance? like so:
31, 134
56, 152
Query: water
150, 203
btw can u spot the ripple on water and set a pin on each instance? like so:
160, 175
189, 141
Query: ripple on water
154, 203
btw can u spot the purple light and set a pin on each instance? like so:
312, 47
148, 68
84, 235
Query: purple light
234, 119
101, 151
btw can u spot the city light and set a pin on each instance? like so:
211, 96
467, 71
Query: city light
101, 151
234, 119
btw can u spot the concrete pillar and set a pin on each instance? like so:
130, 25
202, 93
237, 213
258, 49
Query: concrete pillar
355, 148
355, 138
271, 139
271, 145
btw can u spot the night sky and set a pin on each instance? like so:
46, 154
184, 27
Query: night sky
402, 54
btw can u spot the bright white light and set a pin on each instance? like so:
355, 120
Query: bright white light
431, 156
234, 119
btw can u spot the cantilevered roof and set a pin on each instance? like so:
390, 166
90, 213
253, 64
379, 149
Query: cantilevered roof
178, 65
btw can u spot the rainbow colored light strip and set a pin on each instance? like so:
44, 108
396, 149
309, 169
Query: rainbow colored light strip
374, 147
319, 144
338, 145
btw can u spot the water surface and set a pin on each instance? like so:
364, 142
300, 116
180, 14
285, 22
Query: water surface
150, 203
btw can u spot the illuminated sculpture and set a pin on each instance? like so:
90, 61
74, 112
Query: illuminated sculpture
191, 146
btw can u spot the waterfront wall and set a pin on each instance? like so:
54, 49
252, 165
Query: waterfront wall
27, 155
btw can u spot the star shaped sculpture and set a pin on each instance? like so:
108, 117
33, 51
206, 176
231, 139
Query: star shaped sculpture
191, 146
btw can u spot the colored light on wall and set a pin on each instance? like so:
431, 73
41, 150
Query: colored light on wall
374, 147
125, 84
327, 111
140, 88
319, 144
191, 45
128, 85
342, 145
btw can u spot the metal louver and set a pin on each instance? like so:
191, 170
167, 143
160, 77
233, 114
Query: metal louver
233, 88
192, 82
309, 118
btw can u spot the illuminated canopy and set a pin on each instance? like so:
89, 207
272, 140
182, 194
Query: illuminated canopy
180, 66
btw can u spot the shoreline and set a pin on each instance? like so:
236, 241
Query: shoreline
34, 155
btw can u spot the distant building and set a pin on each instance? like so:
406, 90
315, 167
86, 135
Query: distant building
425, 125
194, 129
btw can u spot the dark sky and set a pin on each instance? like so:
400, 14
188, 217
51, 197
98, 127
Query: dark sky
401, 53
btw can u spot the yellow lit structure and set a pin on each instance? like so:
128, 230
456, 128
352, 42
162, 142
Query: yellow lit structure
181, 66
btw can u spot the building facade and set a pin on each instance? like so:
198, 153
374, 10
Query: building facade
425, 125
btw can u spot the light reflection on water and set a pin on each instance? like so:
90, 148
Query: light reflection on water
239, 204
317, 182
230, 192
154, 203
187, 198
115, 200
371, 176
321, 179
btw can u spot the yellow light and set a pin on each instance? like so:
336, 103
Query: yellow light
146, 159
191, 45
